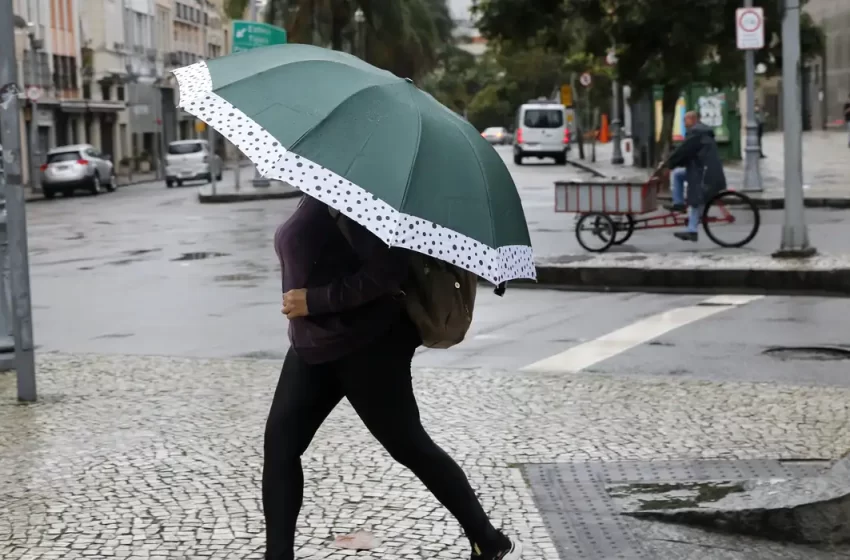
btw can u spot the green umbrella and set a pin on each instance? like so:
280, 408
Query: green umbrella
371, 145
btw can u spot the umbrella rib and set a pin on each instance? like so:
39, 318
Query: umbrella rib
326, 117
486, 191
415, 152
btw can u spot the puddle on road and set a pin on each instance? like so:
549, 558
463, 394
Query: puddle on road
114, 335
137, 252
810, 353
198, 256
237, 278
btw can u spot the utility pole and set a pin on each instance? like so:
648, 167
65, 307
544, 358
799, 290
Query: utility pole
210, 131
16, 219
129, 90
752, 151
616, 124
35, 47
795, 236
259, 180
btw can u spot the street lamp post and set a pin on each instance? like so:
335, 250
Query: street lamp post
258, 180
16, 217
210, 131
359, 20
752, 150
35, 47
795, 235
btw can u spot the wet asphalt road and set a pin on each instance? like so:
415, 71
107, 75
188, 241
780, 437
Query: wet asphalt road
121, 273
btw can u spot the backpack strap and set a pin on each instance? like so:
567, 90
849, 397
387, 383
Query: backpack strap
341, 223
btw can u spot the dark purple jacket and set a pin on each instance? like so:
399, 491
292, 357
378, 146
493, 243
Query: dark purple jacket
351, 287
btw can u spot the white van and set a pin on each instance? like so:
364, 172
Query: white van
190, 160
542, 132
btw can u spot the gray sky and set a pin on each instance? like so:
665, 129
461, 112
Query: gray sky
460, 8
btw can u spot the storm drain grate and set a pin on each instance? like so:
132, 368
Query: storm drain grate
582, 519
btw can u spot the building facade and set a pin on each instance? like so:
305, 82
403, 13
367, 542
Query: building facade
829, 78
48, 55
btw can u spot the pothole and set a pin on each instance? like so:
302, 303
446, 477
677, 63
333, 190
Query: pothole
198, 256
813, 353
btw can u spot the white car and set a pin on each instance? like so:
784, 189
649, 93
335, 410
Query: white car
190, 160
76, 167
497, 135
542, 132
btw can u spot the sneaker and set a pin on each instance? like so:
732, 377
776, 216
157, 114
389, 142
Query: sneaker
676, 207
506, 550
687, 235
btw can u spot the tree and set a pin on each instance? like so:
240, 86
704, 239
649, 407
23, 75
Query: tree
659, 42
235, 9
405, 37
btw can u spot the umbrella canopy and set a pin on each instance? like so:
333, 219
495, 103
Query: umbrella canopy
371, 145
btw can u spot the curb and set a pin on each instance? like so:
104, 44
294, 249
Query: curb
246, 197
838, 203
587, 168
743, 280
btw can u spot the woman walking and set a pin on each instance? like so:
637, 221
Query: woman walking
351, 337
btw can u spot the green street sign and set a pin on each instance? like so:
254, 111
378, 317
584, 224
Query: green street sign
249, 35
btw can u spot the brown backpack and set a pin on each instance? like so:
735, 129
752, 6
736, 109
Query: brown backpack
439, 297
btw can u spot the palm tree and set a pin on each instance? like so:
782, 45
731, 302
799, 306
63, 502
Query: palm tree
405, 37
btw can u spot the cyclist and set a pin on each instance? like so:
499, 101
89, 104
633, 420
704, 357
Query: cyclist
699, 156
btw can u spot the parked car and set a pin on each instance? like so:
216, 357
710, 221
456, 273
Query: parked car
541, 132
497, 135
77, 167
190, 160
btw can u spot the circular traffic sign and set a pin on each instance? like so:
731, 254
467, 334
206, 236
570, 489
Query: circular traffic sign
585, 79
34, 93
749, 20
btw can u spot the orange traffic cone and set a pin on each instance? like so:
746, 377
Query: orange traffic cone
604, 131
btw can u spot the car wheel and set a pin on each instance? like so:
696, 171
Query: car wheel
561, 159
179, 183
518, 159
48, 193
169, 184
68, 192
94, 189
112, 184
219, 176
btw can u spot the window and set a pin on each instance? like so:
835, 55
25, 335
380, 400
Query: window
119, 93
63, 156
185, 148
544, 118
105, 91
86, 90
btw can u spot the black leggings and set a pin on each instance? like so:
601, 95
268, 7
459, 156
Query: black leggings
377, 383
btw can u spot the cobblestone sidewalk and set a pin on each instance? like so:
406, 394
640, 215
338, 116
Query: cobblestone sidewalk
151, 457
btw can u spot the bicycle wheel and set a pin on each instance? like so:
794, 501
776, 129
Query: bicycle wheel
595, 232
731, 219
624, 227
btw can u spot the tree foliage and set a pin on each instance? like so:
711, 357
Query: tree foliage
405, 37
658, 42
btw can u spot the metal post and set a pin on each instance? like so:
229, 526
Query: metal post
617, 157
15, 208
34, 47
795, 237
752, 151
128, 93
258, 180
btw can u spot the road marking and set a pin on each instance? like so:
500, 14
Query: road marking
607, 346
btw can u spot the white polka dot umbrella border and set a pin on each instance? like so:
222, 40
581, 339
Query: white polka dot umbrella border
395, 228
